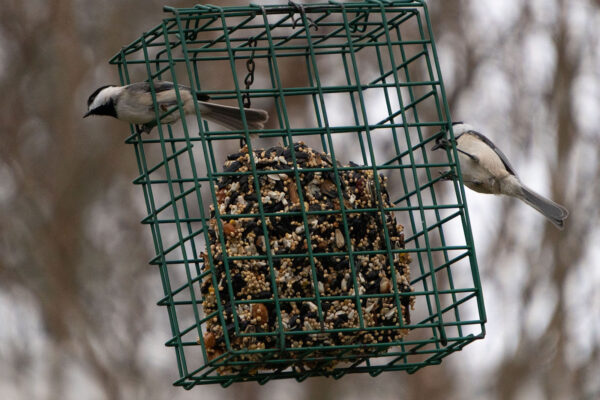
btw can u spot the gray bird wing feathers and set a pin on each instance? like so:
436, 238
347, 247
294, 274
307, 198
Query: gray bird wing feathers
164, 93
231, 118
487, 141
554, 212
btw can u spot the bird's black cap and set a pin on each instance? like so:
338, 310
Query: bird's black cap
93, 95
104, 109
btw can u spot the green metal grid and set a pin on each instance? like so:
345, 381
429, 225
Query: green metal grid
386, 58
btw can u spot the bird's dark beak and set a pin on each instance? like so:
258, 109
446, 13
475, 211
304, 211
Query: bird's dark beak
87, 114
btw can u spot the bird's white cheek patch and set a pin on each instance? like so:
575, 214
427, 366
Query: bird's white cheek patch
105, 95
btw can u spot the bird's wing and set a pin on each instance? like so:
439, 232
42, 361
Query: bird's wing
161, 87
500, 154
140, 91
165, 96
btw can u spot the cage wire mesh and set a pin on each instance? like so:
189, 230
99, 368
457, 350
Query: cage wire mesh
369, 76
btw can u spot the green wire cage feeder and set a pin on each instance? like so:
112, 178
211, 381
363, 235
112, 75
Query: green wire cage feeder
317, 245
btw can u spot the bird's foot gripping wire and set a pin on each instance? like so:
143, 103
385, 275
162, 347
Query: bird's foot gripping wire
446, 144
139, 129
449, 175
442, 143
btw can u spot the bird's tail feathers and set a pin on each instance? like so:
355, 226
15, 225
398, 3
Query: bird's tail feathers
554, 212
231, 117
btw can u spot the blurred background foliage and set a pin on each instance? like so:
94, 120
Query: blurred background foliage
78, 314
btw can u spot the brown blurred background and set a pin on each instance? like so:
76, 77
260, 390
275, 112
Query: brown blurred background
78, 314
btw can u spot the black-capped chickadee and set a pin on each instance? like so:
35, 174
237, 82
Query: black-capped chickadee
485, 169
133, 104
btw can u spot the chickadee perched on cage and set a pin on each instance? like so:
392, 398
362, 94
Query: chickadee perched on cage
133, 104
485, 169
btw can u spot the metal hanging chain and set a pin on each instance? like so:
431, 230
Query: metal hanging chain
252, 42
359, 24
250, 66
297, 19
